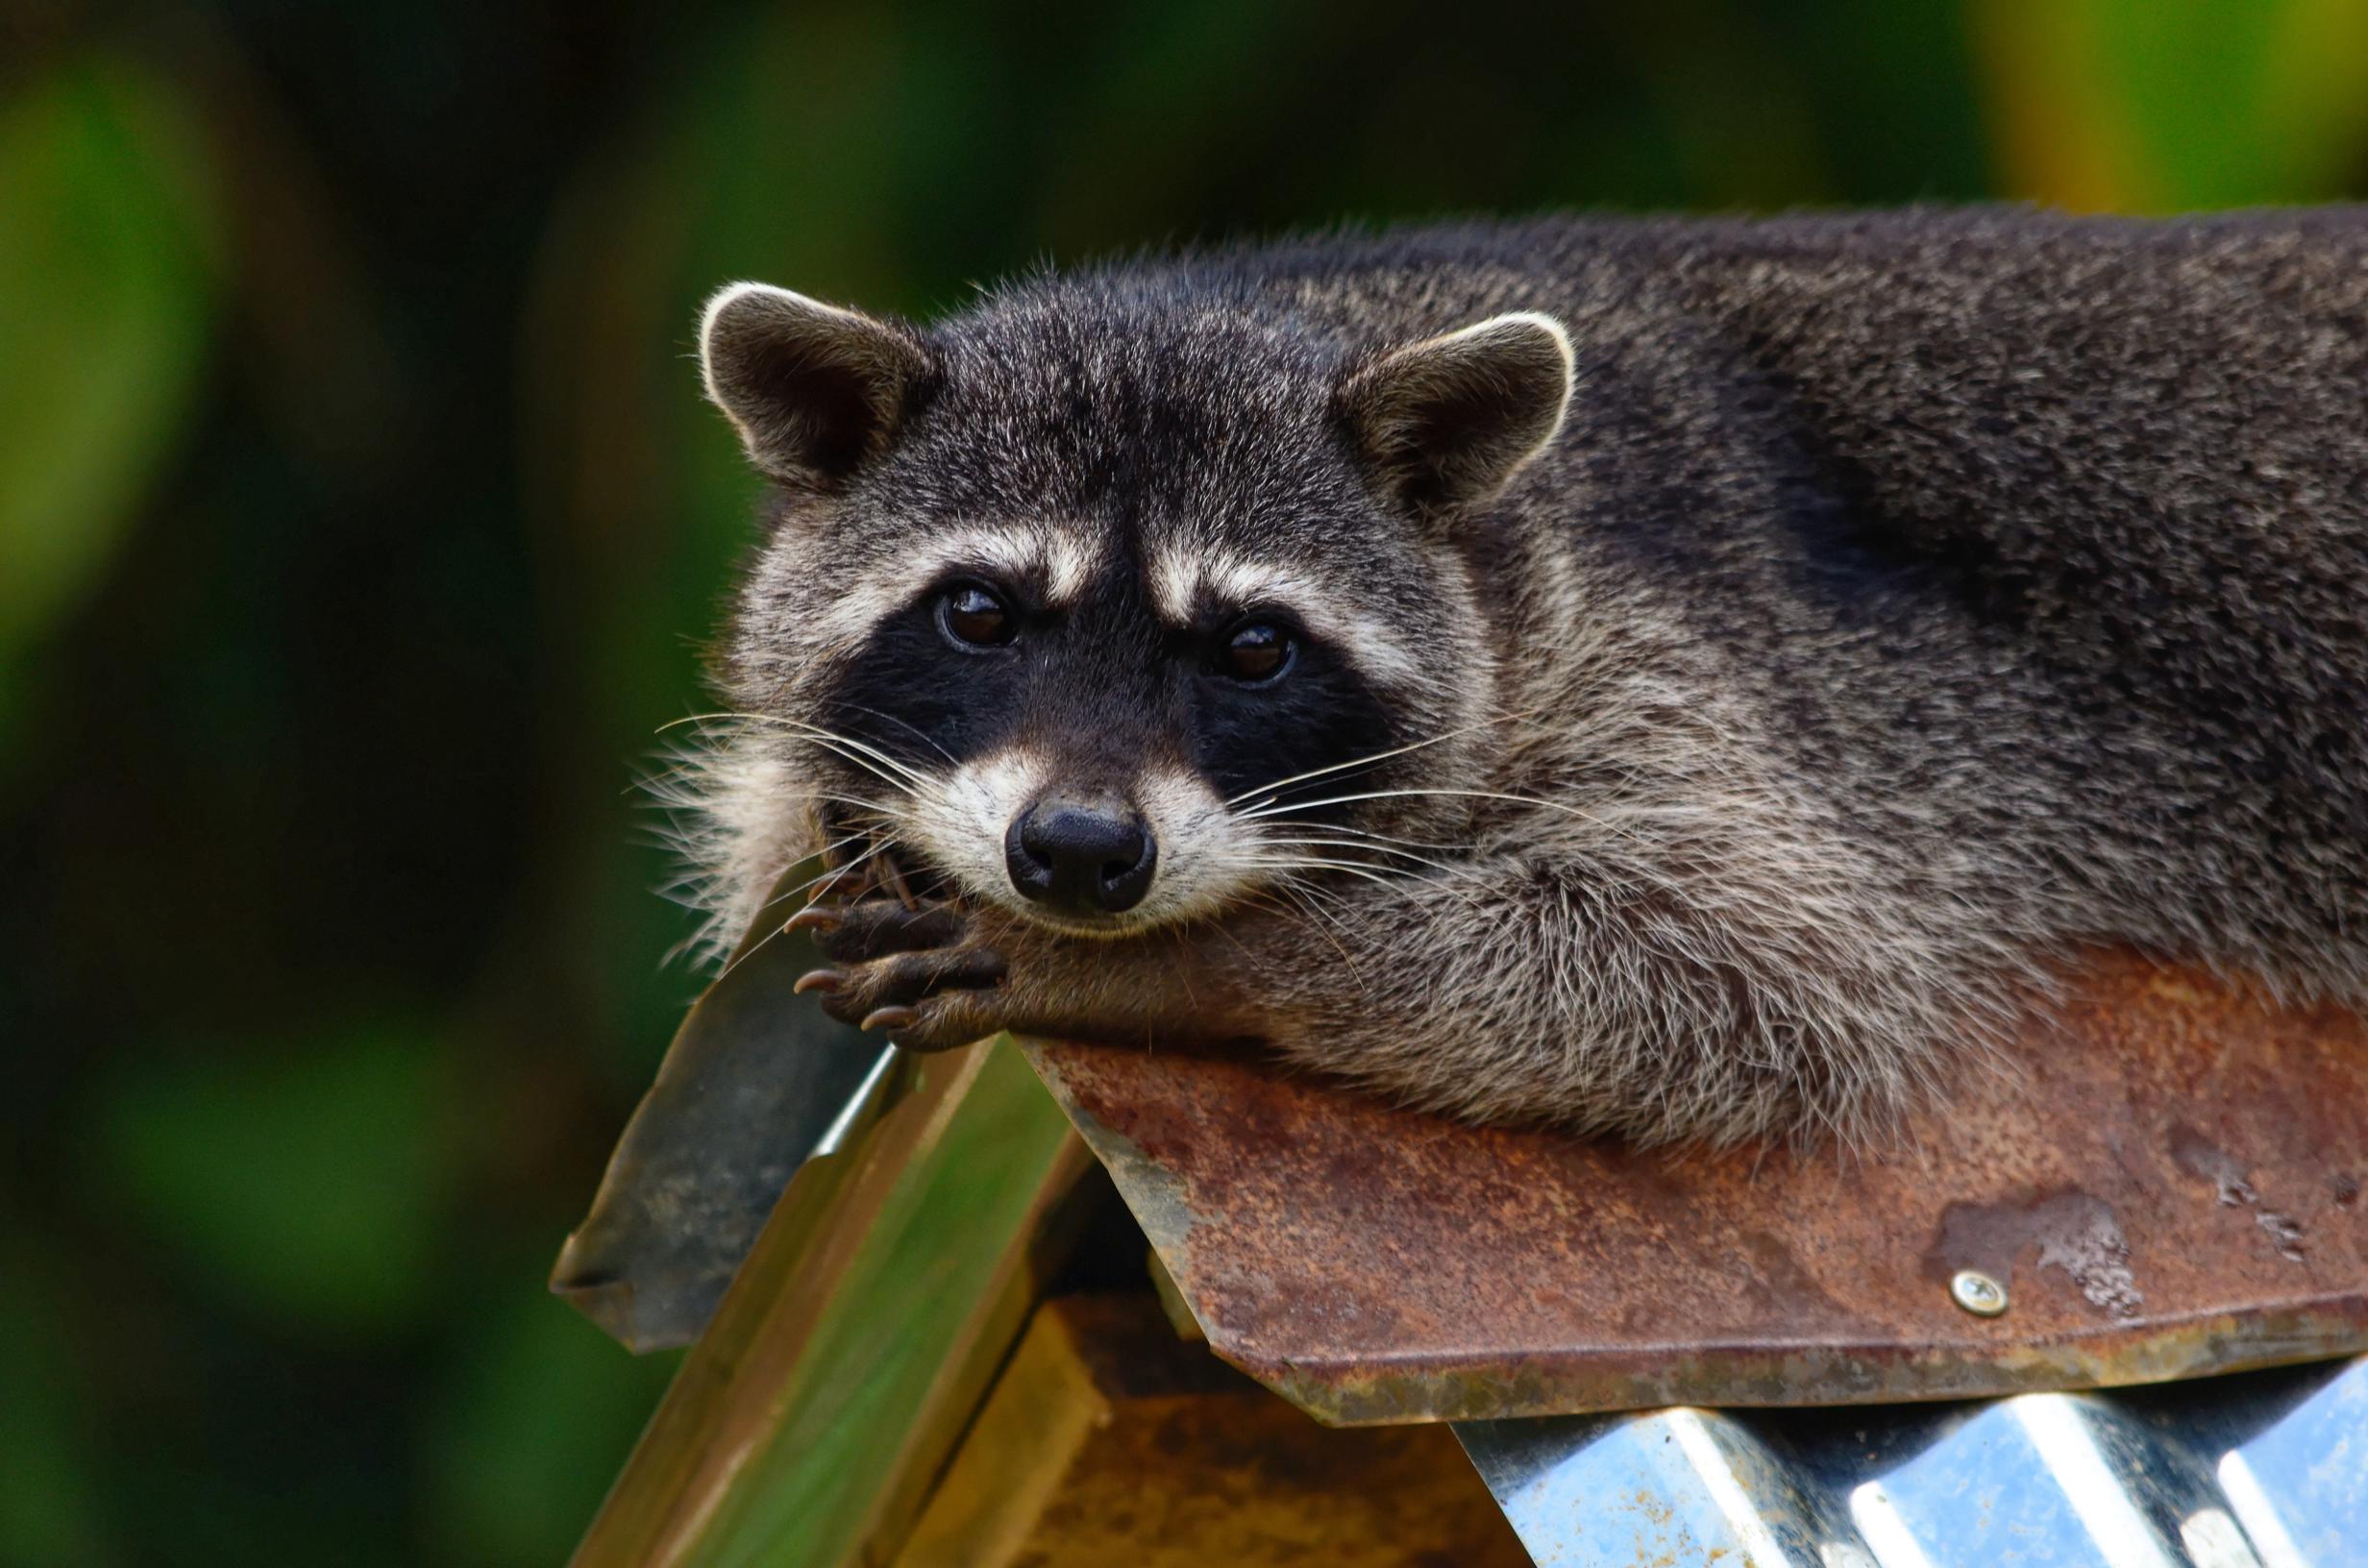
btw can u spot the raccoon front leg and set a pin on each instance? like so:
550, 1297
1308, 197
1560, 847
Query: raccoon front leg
942, 975
892, 960
1508, 989
1653, 1008
1353, 986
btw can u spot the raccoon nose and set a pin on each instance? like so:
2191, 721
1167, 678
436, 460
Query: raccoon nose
1086, 859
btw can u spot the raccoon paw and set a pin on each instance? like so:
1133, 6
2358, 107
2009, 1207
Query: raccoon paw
915, 974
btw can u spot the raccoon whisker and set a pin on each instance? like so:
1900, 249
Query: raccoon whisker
1329, 903
1417, 870
1323, 919
1304, 904
866, 747
1474, 795
1379, 844
1322, 902
889, 779
921, 734
854, 752
845, 750
1267, 810
1373, 848
826, 851
1365, 872
828, 873
831, 874
1386, 877
1284, 819
762, 943
887, 812
1388, 837
1178, 940
846, 746
1390, 850
1295, 877
655, 785
703, 719
1316, 892
1450, 881
1375, 757
712, 722
881, 825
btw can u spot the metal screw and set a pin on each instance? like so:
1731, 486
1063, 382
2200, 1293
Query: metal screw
1977, 1293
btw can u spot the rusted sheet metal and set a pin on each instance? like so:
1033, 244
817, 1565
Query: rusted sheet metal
2167, 1185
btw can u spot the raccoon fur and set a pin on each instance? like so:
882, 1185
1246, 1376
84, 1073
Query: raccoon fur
1674, 678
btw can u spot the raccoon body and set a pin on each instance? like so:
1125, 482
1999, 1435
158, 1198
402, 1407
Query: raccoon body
1673, 679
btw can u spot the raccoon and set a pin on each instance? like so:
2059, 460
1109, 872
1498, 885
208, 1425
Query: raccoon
1679, 679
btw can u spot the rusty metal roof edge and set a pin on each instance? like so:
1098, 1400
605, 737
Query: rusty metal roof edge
1372, 1264
1774, 1377
2106, 1356
1378, 1386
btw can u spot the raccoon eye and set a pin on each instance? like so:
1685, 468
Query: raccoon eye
1255, 651
972, 615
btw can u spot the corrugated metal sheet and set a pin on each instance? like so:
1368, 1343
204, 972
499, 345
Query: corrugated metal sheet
2266, 1470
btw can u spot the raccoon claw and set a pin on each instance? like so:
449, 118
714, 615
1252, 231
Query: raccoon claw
879, 927
923, 998
917, 975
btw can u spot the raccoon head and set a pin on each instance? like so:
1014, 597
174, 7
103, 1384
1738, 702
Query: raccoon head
1110, 604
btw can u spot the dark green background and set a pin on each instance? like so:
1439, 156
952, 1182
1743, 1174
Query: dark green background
358, 519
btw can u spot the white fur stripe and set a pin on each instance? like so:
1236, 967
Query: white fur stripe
1062, 560
1180, 578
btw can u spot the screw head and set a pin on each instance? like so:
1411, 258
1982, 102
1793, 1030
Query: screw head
1977, 1293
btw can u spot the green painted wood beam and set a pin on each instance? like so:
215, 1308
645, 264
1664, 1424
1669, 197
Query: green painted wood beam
804, 1428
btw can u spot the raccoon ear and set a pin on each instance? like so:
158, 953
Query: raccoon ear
1449, 420
815, 391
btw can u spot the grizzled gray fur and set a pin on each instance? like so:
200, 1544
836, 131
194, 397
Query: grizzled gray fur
1677, 678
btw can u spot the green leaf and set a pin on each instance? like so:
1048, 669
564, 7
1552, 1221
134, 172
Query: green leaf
51, 1510
108, 227
540, 1409
2162, 106
309, 1189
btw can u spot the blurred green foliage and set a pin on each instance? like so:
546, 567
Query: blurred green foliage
2160, 106
309, 1189
357, 519
106, 299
